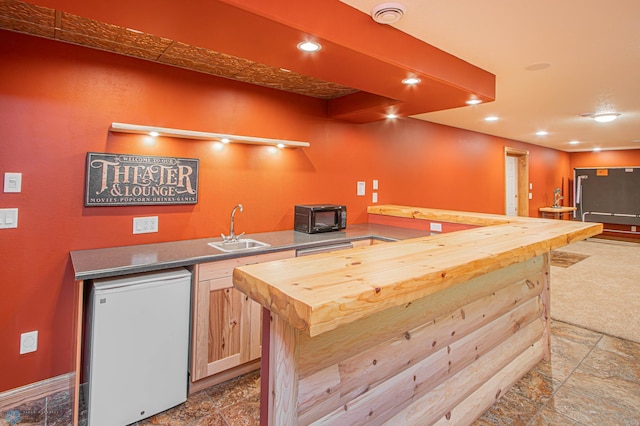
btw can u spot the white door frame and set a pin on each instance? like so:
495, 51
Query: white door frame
523, 178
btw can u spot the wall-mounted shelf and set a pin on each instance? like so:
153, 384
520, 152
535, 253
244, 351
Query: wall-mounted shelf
204, 136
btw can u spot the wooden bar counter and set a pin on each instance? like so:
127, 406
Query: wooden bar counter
424, 331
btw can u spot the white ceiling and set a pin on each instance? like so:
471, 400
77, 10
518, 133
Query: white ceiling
593, 48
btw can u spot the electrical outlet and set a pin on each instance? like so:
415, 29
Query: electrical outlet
145, 225
12, 182
8, 218
29, 342
435, 227
374, 197
361, 188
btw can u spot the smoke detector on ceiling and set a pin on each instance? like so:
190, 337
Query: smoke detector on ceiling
388, 13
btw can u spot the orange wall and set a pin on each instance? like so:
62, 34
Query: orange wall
621, 158
57, 102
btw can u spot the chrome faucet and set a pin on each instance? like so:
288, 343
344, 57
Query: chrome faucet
232, 236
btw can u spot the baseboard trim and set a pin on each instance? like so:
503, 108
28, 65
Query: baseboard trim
232, 373
18, 396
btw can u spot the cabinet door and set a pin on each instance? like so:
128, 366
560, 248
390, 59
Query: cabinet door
226, 323
229, 327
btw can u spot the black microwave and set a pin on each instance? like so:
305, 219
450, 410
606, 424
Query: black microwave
313, 218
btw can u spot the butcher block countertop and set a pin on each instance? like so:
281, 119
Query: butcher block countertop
319, 293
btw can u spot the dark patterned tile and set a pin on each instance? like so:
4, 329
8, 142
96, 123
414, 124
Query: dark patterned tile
232, 391
197, 406
29, 413
574, 333
548, 416
565, 259
621, 347
611, 365
521, 403
244, 413
594, 400
569, 346
59, 409
212, 420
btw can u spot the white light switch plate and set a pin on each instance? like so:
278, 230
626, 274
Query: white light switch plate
12, 182
28, 342
8, 218
145, 225
374, 197
361, 187
375, 184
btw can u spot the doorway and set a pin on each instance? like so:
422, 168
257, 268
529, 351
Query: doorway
516, 182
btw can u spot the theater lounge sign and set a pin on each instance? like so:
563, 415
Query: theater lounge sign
129, 179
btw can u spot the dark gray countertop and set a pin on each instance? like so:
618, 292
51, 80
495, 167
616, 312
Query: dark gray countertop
114, 261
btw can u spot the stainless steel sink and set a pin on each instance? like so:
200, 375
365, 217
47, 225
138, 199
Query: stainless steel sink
241, 244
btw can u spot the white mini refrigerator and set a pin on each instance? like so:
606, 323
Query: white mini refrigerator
136, 355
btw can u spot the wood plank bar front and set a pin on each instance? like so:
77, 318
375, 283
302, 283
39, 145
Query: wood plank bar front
425, 331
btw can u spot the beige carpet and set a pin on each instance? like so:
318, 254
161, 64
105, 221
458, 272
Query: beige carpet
601, 290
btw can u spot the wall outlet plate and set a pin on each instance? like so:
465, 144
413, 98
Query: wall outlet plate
361, 188
8, 218
435, 227
145, 225
12, 182
28, 342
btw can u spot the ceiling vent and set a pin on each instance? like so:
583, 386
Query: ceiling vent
388, 13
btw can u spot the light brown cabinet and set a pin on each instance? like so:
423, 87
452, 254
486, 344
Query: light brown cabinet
226, 329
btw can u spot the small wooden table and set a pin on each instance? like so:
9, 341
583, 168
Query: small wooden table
556, 211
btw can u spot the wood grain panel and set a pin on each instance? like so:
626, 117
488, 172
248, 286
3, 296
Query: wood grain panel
381, 403
317, 353
283, 379
225, 310
368, 373
452, 403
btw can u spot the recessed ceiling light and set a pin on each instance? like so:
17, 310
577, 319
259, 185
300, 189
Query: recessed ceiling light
473, 101
596, 149
538, 66
605, 117
574, 142
601, 117
225, 140
491, 118
309, 46
411, 81
280, 145
542, 133
154, 134
391, 116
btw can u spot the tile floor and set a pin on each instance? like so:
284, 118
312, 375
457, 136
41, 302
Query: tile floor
592, 379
